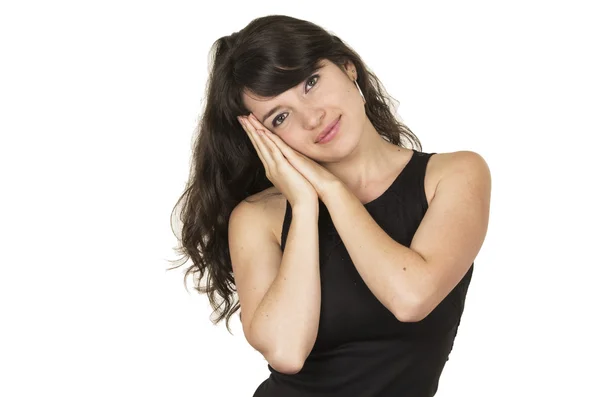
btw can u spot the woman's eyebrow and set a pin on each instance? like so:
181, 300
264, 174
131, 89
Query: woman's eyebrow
270, 112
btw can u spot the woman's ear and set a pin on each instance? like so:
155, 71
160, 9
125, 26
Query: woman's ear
350, 70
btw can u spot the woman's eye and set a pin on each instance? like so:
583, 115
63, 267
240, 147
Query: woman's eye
275, 123
312, 78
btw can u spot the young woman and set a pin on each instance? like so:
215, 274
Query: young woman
350, 253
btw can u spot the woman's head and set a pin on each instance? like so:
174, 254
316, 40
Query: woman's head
300, 114
272, 61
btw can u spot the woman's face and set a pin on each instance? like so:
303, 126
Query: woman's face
299, 115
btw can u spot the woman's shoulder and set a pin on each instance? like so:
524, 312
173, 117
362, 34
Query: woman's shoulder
268, 205
442, 164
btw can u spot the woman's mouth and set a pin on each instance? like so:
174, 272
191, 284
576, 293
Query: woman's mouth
332, 133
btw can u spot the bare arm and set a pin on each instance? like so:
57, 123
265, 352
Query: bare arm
280, 293
411, 281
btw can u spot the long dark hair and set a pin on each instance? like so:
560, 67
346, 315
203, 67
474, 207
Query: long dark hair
269, 56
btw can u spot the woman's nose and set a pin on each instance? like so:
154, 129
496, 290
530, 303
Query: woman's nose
314, 117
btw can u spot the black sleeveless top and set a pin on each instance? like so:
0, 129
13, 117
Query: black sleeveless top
361, 349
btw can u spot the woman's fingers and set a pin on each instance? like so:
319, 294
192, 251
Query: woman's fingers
254, 138
269, 151
284, 149
266, 138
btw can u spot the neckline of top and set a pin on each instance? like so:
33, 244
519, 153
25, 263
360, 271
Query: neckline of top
396, 179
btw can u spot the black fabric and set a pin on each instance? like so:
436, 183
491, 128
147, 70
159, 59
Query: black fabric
361, 349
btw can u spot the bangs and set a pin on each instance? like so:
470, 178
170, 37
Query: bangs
273, 79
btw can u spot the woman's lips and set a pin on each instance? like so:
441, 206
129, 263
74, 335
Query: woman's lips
331, 134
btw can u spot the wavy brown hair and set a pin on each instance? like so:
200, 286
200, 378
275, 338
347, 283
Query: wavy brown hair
269, 56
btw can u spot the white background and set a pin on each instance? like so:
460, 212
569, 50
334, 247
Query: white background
98, 106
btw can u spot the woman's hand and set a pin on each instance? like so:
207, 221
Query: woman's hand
295, 187
277, 151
